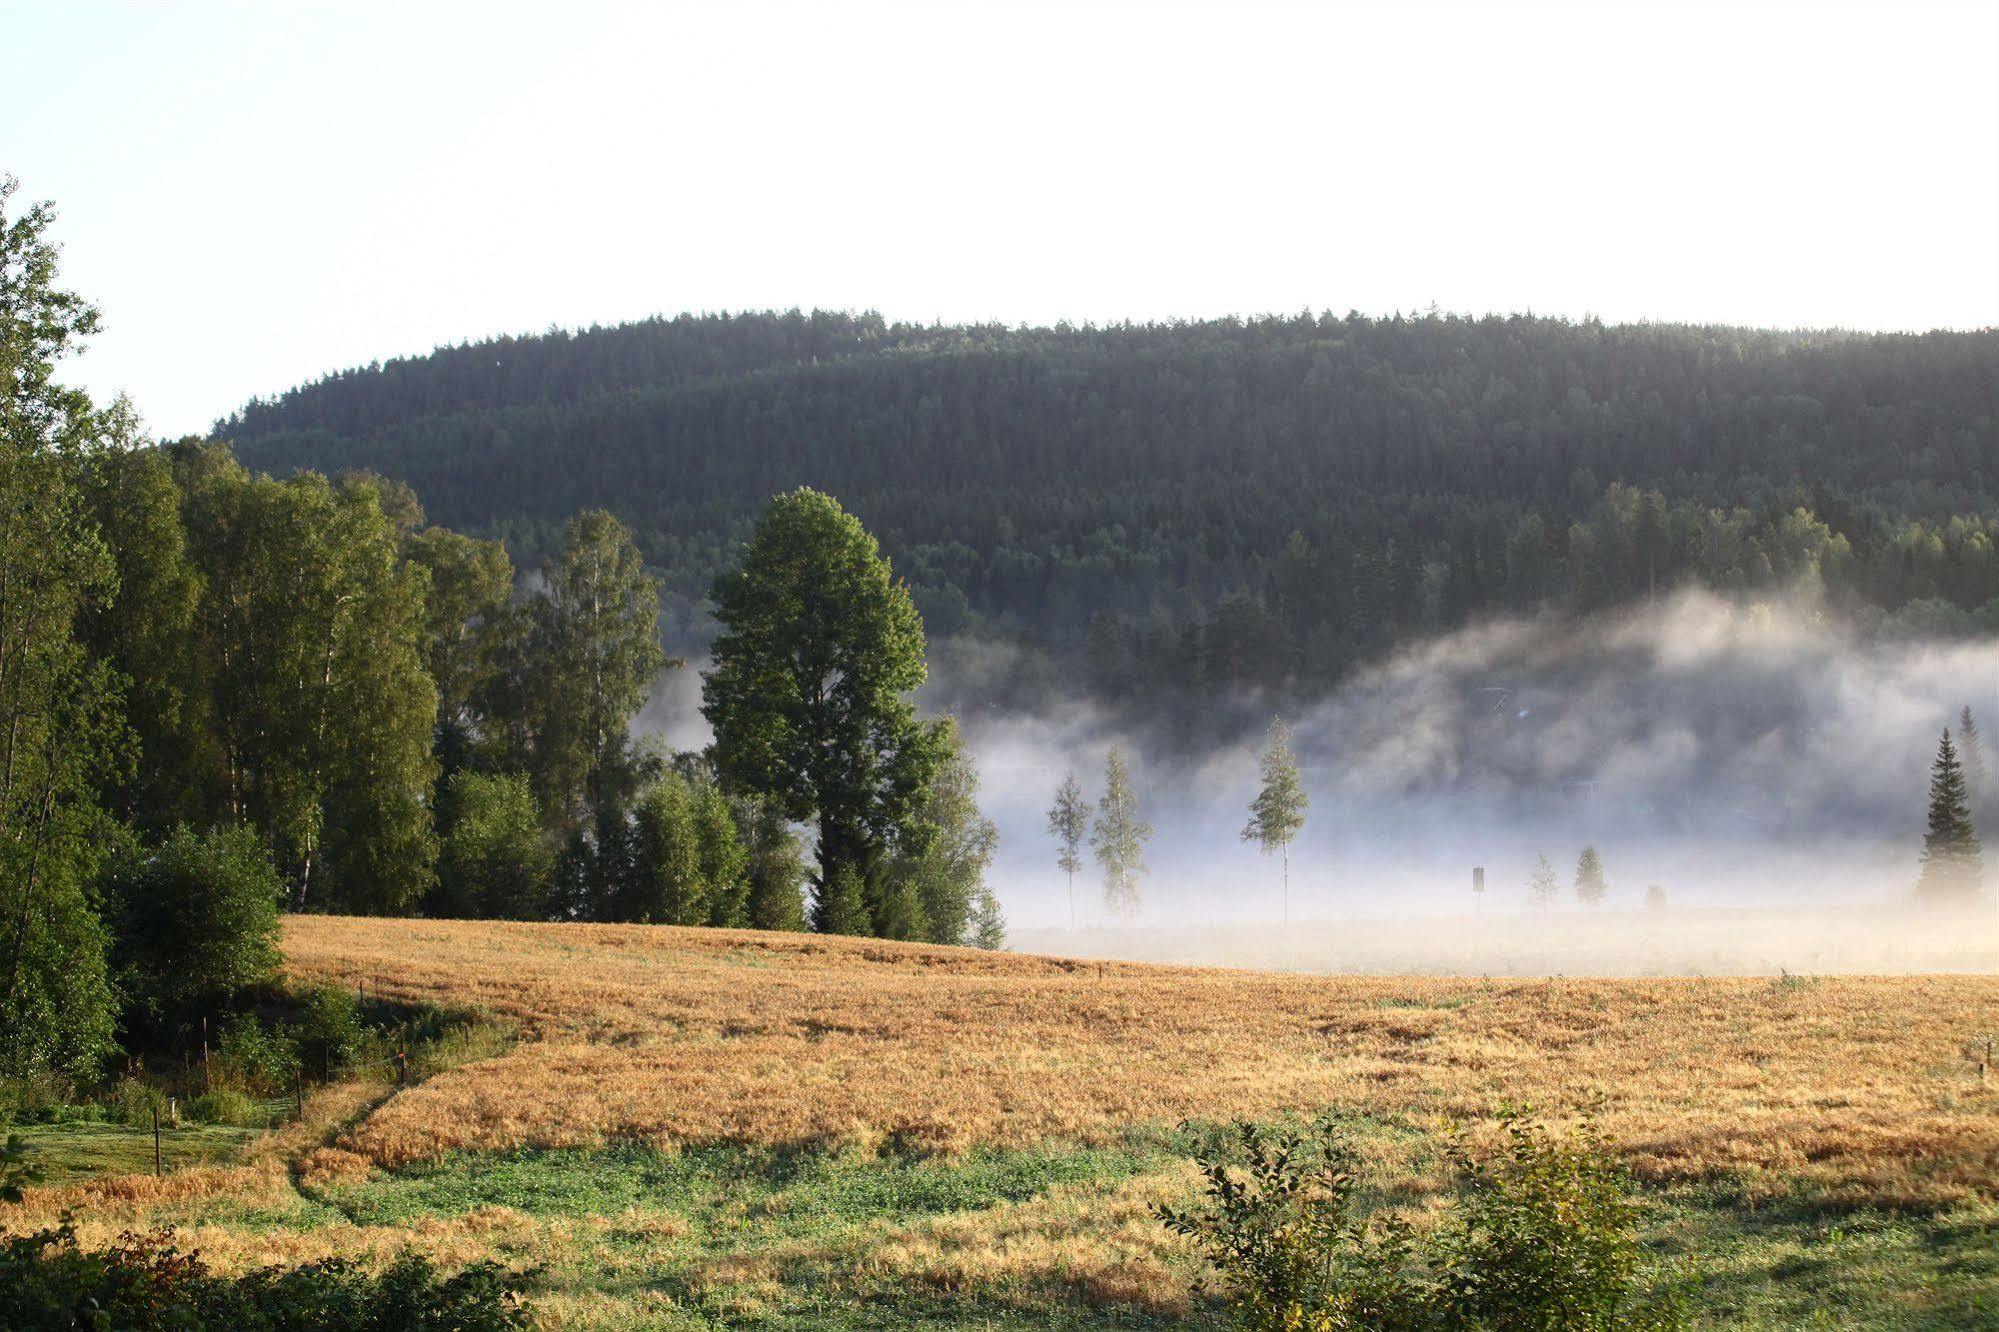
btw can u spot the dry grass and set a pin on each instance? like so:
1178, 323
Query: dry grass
671, 1036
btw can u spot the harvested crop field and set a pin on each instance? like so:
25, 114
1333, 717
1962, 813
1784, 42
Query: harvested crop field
716, 1128
673, 1037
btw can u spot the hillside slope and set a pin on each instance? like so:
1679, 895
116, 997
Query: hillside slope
1156, 475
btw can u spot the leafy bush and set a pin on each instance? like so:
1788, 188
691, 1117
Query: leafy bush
262, 1059
224, 1106
134, 1101
1543, 1239
1280, 1231
330, 1033
144, 1283
194, 921
17, 1172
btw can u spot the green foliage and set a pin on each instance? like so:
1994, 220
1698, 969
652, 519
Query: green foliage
1591, 887
572, 665
688, 864
465, 611
1544, 1238
1263, 502
947, 876
496, 860
1119, 837
144, 1283
311, 645
774, 866
1952, 861
1278, 812
820, 645
1069, 824
17, 1171
988, 924
1282, 1232
225, 1105
329, 1033
194, 922
838, 906
60, 720
257, 1058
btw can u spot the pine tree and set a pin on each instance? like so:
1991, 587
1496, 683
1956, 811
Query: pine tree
1542, 885
1952, 862
1278, 811
988, 929
1590, 884
1069, 823
1119, 837
1971, 753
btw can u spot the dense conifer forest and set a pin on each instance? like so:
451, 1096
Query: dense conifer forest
1224, 503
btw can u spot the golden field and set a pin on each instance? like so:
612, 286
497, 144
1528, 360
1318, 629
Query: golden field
903, 1059
678, 1036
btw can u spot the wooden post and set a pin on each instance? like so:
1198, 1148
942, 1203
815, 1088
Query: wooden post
158, 1168
205, 1088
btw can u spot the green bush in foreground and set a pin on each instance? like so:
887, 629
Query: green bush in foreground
146, 1284
1544, 1238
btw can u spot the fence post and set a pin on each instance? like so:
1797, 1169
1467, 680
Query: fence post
158, 1169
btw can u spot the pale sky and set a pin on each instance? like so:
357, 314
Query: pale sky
259, 193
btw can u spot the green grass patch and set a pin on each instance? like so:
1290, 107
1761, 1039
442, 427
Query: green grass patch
68, 1150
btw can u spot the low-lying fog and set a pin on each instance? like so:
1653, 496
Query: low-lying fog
1763, 763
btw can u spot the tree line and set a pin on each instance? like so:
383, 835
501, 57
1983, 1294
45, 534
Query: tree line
223, 693
1180, 507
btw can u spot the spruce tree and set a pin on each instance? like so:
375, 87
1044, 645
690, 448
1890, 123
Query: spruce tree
1542, 885
1119, 837
1278, 811
1069, 824
1952, 865
1590, 883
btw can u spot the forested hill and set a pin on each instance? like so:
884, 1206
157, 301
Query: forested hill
1244, 501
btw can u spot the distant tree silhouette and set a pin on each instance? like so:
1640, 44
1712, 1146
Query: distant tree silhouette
1590, 883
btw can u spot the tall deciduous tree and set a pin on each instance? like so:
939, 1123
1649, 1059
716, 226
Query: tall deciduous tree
597, 655
1119, 837
311, 639
1952, 861
1069, 824
1278, 811
61, 732
808, 694
464, 612
1590, 883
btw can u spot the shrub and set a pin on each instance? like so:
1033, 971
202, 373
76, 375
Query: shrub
1548, 1239
1543, 1239
144, 1283
224, 1106
135, 1101
1280, 1231
330, 1033
262, 1059
194, 921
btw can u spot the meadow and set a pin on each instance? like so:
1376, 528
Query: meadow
722, 1128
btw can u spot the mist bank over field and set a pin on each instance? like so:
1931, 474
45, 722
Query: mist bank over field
1736, 753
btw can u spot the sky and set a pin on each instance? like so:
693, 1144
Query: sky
257, 194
